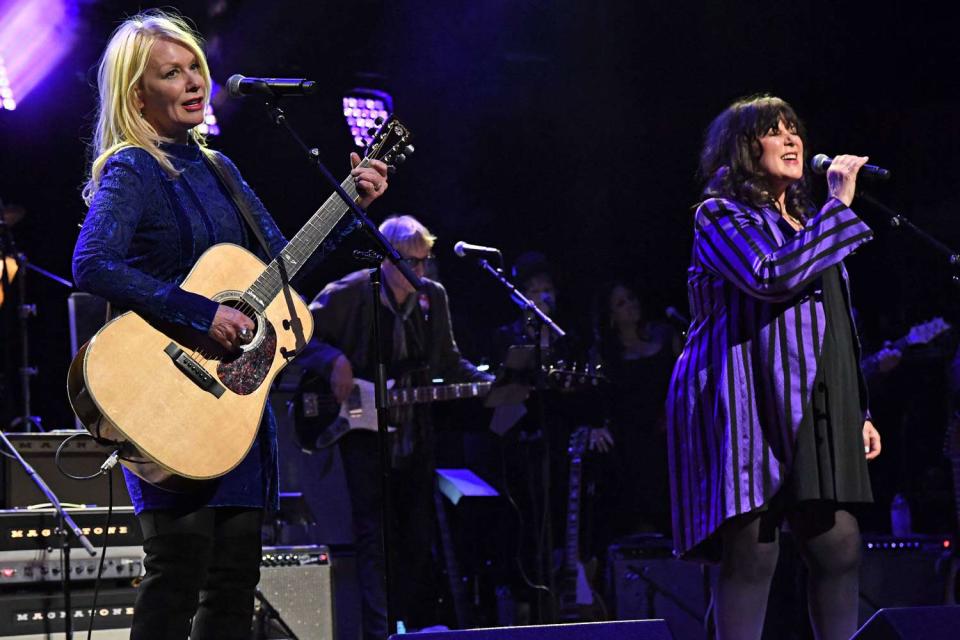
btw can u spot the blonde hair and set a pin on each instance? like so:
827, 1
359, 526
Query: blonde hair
406, 232
119, 123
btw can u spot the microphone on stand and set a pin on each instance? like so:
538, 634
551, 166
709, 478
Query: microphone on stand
239, 86
821, 162
464, 249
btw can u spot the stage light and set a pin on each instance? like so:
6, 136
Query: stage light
210, 126
361, 108
6, 93
34, 36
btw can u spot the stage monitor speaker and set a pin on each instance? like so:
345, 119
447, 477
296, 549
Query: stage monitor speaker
912, 623
646, 581
81, 456
624, 630
39, 615
296, 582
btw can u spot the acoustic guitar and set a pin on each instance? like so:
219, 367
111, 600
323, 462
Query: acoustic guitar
183, 409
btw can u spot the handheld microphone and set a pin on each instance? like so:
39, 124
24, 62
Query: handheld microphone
821, 162
239, 86
463, 250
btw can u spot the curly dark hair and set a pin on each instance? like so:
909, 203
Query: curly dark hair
729, 162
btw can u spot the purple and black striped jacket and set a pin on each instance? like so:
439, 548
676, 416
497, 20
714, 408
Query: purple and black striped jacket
741, 385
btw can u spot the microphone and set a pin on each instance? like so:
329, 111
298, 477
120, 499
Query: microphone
820, 162
239, 86
677, 317
463, 250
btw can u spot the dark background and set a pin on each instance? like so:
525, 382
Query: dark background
568, 127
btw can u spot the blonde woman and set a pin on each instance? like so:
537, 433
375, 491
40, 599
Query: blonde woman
155, 205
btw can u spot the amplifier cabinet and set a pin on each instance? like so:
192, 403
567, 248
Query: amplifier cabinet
36, 529
906, 571
297, 583
81, 456
32, 614
646, 581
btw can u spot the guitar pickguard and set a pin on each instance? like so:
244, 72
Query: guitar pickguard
243, 374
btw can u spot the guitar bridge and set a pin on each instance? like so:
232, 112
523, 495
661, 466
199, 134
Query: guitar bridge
194, 371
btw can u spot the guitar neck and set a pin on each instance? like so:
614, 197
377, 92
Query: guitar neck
289, 261
572, 551
400, 397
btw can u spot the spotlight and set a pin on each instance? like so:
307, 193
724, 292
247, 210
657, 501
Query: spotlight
361, 108
34, 37
209, 126
6, 93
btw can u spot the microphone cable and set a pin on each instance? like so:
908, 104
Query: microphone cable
106, 469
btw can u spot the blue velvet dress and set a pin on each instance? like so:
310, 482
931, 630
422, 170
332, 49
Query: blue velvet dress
139, 240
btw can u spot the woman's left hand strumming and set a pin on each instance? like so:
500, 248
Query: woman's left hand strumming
871, 440
371, 180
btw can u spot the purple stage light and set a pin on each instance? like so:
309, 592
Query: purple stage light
210, 126
361, 107
34, 36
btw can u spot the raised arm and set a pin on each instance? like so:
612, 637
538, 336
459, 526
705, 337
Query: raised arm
733, 241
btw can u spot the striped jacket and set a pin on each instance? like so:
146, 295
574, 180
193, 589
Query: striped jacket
740, 387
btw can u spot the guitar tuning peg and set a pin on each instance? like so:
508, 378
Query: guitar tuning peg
379, 120
401, 158
372, 131
409, 149
391, 169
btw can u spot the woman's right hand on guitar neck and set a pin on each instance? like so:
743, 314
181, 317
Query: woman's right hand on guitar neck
227, 326
341, 379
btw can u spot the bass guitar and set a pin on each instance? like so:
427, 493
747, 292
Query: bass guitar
577, 600
320, 421
183, 409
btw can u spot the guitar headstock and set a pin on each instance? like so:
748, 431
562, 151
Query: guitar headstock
390, 144
573, 378
926, 332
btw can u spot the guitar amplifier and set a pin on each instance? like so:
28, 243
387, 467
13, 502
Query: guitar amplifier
39, 615
919, 563
646, 581
296, 582
35, 529
81, 456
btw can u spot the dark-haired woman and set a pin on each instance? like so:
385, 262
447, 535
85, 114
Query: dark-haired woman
637, 355
766, 413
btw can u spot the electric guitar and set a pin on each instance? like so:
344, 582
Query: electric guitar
577, 600
320, 421
183, 409
918, 334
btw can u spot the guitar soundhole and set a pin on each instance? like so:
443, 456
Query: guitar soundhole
244, 373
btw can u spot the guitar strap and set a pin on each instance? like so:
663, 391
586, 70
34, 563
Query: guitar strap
216, 163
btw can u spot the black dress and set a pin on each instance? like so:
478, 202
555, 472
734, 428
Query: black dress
829, 462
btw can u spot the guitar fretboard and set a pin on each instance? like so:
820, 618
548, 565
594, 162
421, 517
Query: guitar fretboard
417, 395
572, 551
300, 248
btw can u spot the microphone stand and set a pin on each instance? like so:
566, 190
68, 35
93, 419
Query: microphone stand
8, 249
269, 612
899, 221
384, 248
65, 529
543, 325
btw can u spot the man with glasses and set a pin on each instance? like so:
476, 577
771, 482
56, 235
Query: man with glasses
418, 346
